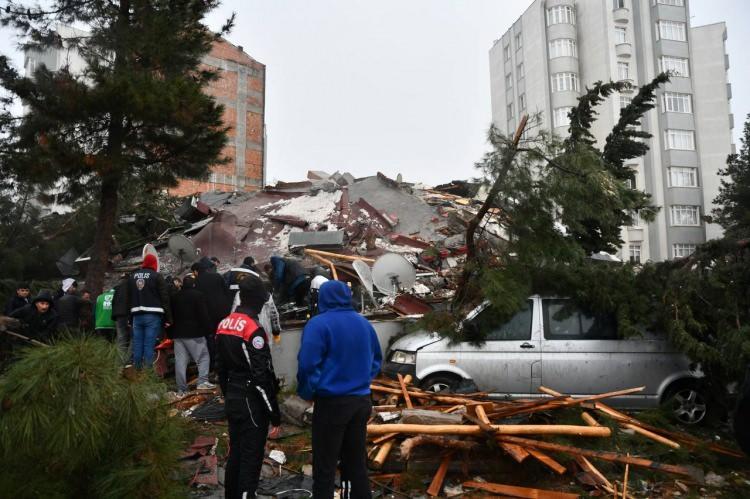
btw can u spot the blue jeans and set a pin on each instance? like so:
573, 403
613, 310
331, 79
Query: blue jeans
146, 327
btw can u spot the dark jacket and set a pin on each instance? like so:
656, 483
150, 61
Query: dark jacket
41, 327
14, 303
217, 295
340, 352
190, 315
243, 361
148, 293
69, 307
287, 273
120, 301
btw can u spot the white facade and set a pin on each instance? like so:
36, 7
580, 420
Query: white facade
563, 46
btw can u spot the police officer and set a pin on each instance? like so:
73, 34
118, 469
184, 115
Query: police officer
249, 385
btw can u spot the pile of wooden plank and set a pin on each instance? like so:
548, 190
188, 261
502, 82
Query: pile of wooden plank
406, 417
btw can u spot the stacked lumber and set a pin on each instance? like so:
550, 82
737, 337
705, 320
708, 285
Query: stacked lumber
456, 425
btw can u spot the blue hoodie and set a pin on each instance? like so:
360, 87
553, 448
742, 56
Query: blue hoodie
340, 352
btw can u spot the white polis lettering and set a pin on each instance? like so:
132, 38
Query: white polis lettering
233, 324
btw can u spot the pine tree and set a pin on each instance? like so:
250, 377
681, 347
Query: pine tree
558, 202
71, 426
137, 114
733, 213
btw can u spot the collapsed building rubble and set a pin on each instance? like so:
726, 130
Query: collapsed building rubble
351, 219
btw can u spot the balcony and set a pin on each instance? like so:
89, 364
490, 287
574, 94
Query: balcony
624, 49
621, 15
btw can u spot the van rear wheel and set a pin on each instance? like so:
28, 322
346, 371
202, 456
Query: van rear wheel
440, 383
688, 404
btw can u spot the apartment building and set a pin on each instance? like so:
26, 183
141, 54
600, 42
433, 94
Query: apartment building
240, 88
544, 62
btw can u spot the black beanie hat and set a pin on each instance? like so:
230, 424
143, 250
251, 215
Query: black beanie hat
253, 293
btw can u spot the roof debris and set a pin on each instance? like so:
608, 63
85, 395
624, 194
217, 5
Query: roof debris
357, 218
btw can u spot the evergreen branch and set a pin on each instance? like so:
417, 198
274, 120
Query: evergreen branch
619, 145
583, 115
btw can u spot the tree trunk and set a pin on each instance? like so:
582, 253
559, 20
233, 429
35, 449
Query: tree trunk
108, 197
471, 253
105, 226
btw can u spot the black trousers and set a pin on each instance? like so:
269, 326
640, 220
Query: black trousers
339, 433
248, 430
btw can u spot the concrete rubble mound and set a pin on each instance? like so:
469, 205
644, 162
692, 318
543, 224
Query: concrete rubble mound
349, 219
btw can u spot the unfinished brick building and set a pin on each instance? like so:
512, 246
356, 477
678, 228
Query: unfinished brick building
241, 88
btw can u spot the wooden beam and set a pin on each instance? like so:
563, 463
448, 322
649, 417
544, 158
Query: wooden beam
514, 491
382, 454
419, 429
677, 436
653, 436
384, 438
407, 399
437, 482
586, 466
546, 460
348, 258
589, 419
518, 453
690, 471
445, 442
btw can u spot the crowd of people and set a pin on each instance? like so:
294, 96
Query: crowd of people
226, 324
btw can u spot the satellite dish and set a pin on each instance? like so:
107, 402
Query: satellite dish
392, 272
365, 276
149, 249
183, 248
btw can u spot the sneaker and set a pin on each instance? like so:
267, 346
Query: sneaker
206, 386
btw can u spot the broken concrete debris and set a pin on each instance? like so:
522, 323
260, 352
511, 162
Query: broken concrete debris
354, 218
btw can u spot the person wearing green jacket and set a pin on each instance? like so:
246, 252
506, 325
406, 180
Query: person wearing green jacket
103, 321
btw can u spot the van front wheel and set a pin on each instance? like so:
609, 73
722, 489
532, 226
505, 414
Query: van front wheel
688, 404
440, 383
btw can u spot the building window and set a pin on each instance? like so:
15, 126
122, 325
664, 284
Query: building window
564, 82
522, 102
681, 250
685, 214
634, 251
678, 66
519, 72
621, 35
519, 41
561, 14
635, 217
506, 52
563, 47
560, 116
509, 110
619, 4
676, 3
508, 81
631, 182
623, 71
677, 103
683, 140
683, 176
671, 30
625, 101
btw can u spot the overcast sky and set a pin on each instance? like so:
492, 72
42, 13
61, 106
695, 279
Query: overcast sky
398, 86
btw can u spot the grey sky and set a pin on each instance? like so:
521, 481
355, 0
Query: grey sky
398, 86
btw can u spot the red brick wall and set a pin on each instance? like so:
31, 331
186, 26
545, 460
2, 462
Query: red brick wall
225, 87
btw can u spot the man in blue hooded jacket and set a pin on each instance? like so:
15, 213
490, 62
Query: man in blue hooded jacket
339, 356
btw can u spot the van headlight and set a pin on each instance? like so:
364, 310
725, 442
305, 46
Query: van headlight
400, 357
